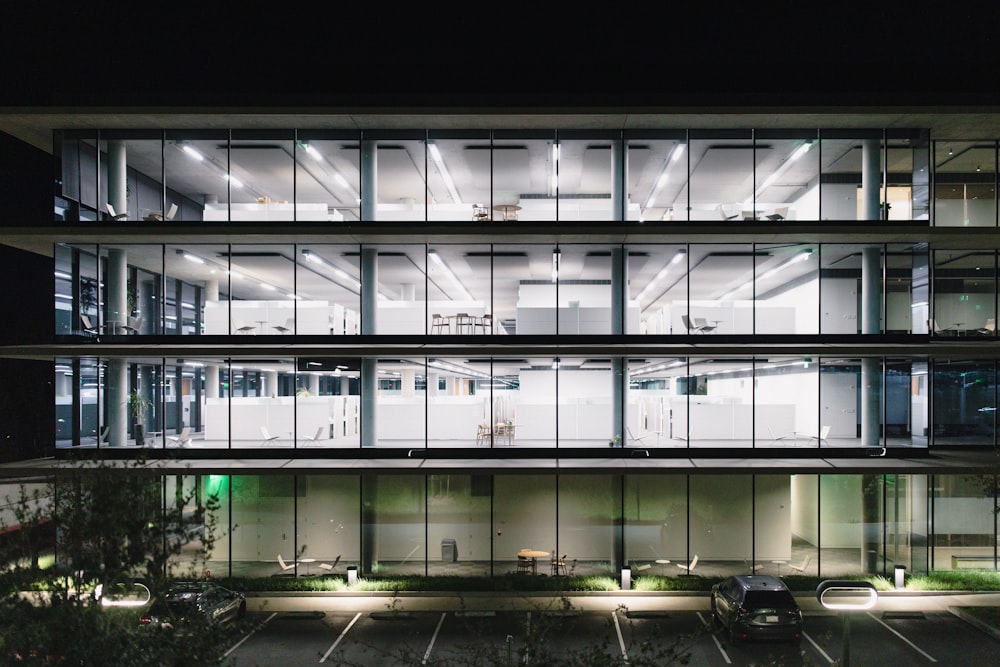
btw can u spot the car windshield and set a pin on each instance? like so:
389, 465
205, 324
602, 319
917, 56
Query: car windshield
760, 599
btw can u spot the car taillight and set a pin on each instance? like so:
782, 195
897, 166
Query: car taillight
145, 619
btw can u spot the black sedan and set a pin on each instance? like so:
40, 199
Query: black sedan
190, 601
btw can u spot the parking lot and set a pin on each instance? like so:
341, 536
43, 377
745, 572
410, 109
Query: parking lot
560, 631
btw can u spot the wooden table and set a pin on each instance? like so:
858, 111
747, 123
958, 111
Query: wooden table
534, 555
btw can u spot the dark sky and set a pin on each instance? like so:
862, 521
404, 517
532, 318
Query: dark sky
280, 53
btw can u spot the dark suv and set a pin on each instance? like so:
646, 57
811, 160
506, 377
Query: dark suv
752, 606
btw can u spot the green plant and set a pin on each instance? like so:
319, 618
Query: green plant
138, 404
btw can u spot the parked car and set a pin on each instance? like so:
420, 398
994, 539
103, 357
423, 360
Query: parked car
190, 601
755, 606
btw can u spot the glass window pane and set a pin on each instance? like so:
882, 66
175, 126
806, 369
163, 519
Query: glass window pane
524, 176
805, 527
398, 515
524, 517
843, 543
721, 288
262, 178
843, 194
721, 523
657, 176
458, 178
964, 293
399, 175
786, 289
263, 509
328, 282
965, 184
658, 287
589, 516
586, 178
328, 173
656, 520
722, 173
964, 522
654, 395
196, 168
458, 524
786, 402
786, 181
965, 402
401, 403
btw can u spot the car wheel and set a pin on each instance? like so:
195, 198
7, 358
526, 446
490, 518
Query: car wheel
243, 610
734, 637
715, 614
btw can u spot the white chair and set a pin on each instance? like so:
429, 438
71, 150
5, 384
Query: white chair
989, 329
439, 323
319, 435
287, 327
132, 325
182, 439
116, 216
689, 567
285, 567
800, 568
329, 567
241, 328
823, 433
157, 216
702, 325
88, 326
267, 436
632, 438
691, 328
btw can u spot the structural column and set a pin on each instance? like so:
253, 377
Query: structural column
369, 326
619, 177
871, 179
117, 177
619, 372
369, 169
117, 377
871, 378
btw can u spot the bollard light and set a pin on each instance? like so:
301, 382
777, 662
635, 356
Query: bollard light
352, 575
626, 578
900, 576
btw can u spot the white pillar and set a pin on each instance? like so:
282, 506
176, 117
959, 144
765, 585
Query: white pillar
117, 387
271, 384
117, 177
117, 284
211, 381
871, 179
408, 381
432, 384
313, 384
407, 292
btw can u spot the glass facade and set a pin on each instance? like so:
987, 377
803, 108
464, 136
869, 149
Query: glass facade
475, 524
441, 290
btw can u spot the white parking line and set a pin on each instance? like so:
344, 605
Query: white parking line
817, 647
621, 640
349, 626
718, 644
912, 645
430, 646
250, 634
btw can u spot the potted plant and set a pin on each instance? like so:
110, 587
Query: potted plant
615, 441
138, 404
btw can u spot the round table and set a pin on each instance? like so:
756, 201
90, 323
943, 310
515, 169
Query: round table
509, 211
661, 562
308, 562
534, 555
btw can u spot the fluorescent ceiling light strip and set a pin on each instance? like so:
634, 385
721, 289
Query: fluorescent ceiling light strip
451, 276
445, 175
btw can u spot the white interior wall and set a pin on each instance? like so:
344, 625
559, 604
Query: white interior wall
805, 507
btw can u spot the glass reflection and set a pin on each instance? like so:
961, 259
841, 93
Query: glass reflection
965, 184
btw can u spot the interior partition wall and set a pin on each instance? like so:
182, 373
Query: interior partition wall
474, 524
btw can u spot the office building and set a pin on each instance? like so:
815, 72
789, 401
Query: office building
420, 344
